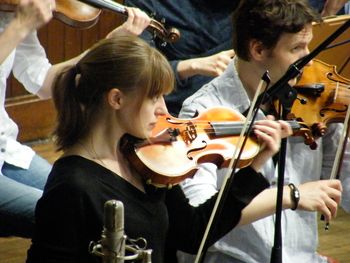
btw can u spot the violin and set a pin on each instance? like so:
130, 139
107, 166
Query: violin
71, 12
177, 146
85, 14
156, 28
323, 97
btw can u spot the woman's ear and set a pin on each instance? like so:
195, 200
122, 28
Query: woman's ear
115, 98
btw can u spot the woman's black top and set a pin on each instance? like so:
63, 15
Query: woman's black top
70, 213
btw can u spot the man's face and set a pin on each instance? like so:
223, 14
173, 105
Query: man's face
289, 48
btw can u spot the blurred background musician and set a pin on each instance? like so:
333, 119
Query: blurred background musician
204, 48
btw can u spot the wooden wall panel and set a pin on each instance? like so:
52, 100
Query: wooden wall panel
339, 55
36, 118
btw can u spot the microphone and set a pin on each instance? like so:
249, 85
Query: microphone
113, 238
111, 248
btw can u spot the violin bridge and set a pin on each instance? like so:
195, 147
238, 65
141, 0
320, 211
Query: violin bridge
189, 134
173, 133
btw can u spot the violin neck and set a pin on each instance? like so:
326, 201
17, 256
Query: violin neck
294, 125
107, 4
235, 128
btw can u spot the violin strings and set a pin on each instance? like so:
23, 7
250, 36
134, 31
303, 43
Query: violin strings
336, 91
340, 84
206, 125
222, 130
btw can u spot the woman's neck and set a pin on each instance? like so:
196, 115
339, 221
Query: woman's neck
101, 145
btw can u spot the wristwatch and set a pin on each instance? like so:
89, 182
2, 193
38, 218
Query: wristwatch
294, 195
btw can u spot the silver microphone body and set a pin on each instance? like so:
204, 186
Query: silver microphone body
113, 238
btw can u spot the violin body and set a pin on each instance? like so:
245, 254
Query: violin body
77, 14
323, 97
85, 14
178, 146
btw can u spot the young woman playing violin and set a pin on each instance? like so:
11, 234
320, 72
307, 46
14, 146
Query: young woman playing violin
22, 172
117, 88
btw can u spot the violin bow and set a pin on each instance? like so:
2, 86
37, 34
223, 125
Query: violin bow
228, 178
339, 153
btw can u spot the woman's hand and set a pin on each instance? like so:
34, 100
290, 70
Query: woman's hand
269, 133
135, 24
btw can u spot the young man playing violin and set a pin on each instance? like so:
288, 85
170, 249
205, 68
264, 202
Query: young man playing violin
22, 172
269, 35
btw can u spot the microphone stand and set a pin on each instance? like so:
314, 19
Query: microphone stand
286, 96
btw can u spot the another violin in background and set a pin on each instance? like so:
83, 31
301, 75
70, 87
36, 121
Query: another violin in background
156, 28
323, 97
71, 12
85, 14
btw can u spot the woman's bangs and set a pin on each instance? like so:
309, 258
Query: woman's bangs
160, 76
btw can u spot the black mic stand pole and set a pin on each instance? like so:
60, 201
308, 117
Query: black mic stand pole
286, 96
276, 253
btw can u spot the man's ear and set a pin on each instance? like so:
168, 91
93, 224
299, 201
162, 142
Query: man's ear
115, 98
257, 50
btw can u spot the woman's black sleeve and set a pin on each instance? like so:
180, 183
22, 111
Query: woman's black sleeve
187, 223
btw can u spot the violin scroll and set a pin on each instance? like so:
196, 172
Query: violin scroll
169, 35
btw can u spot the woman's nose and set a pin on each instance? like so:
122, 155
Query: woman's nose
161, 107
